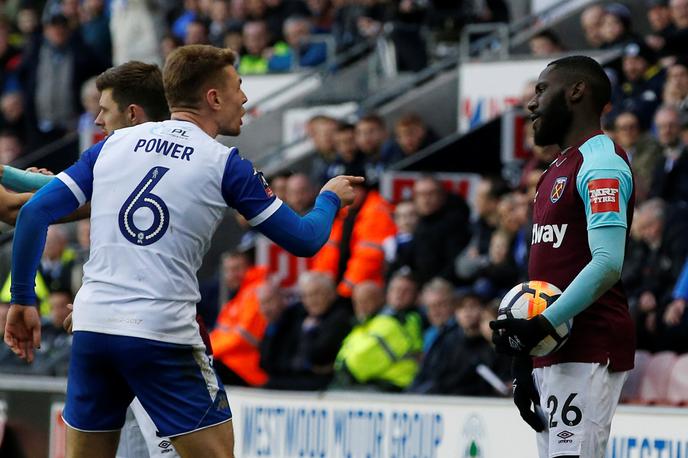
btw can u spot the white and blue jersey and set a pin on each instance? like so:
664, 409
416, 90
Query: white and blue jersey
158, 192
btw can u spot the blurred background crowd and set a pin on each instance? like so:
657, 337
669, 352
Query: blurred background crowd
399, 298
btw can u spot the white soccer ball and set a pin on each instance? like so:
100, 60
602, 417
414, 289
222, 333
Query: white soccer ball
529, 299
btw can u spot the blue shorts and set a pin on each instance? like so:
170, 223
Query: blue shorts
176, 384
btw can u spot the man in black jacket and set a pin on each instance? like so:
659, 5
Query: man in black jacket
443, 230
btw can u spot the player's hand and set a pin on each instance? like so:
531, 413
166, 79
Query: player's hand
343, 186
526, 396
674, 312
23, 330
513, 336
67, 324
42, 171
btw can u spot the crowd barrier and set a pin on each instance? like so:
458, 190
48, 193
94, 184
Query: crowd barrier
367, 425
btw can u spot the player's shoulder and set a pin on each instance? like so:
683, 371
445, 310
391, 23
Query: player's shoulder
601, 153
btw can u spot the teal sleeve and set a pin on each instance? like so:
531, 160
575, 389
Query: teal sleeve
607, 245
604, 183
23, 181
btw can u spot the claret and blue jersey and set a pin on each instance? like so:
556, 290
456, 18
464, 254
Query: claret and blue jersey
587, 187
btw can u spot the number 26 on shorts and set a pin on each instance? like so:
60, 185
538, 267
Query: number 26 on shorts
570, 414
143, 197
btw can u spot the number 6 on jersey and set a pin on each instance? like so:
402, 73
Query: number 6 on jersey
140, 198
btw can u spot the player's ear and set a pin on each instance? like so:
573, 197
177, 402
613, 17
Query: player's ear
212, 97
136, 115
576, 91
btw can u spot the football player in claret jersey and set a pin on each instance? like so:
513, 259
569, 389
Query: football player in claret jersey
157, 193
582, 212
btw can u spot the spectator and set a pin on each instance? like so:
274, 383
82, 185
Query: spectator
437, 301
238, 331
95, 28
256, 40
659, 18
641, 90
616, 25
300, 356
89, 133
135, 31
411, 135
220, 22
354, 252
347, 155
591, 22
168, 44
487, 195
196, 33
670, 179
674, 40
378, 354
545, 43
299, 48
278, 184
10, 147
396, 246
676, 87
371, 136
278, 11
449, 366
300, 193
675, 318
401, 302
53, 73
321, 13
442, 231
190, 13
13, 118
10, 57
643, 151
663, 233
234, 39
57, 260
222, 287
321, 130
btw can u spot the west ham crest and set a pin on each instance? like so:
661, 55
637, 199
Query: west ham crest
557, 189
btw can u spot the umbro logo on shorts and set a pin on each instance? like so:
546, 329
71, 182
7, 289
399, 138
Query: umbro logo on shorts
565, 437
164, 444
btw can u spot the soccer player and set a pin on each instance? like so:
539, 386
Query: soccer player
157, 192
584, 199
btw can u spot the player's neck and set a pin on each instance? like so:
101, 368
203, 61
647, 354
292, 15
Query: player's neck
580, 130
205, 124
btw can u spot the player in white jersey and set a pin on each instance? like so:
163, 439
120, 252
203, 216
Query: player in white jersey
157, 192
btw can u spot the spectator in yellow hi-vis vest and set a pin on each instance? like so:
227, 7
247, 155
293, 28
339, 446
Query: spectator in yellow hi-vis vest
380, 353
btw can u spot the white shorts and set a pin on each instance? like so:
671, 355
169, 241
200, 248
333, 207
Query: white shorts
139, 437
578, 401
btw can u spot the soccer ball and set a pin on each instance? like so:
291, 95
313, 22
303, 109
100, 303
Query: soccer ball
530, 299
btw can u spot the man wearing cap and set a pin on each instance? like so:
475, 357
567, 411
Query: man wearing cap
642, 81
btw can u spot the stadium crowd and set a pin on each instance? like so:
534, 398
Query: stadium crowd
399, 298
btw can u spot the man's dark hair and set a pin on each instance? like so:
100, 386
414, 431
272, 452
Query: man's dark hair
498, 187
549, 35
139, 84
345, 126
576, 68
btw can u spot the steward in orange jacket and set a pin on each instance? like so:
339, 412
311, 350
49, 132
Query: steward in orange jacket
354, 251
239, 329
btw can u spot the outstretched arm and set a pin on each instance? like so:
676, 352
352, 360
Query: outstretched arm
245, 189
